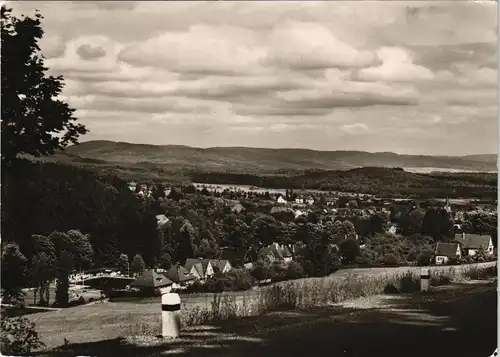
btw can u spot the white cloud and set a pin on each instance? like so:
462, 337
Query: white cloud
240, 73
355, 128
396, 66
303, 45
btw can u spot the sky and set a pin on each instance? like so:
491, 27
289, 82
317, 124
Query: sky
407, 77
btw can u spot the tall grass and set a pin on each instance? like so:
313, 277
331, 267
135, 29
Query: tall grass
305, 293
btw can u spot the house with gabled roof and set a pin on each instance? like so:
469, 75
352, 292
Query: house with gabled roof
472, 243
446, 251
179, 275
281, 200
276, 252
203, 269
151, 280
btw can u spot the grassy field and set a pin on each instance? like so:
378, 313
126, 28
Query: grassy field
440, 323
108, 320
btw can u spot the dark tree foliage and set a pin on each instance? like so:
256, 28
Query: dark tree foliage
42, 198
62, 286
13, 269
34, 121
371, 180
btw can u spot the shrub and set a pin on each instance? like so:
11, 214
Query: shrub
295, 271
278, 272
390, 260
234, 280
261, 271
18, 336
424, 259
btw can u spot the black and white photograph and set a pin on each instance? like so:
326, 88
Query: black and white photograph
249, 178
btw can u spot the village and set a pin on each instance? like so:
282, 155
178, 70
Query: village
180, 277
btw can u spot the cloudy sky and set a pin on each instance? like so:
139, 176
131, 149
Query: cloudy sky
408, 77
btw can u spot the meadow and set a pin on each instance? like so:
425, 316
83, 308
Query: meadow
110, 320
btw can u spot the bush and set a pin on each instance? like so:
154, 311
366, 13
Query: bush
278, 272
234, 280
424, 259
18, 336
390, 260
295, 271
261, 271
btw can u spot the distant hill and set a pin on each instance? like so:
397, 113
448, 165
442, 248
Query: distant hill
260, 160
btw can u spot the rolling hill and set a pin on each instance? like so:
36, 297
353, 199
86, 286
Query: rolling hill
259, 160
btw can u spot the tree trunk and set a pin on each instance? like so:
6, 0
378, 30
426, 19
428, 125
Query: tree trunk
47, 293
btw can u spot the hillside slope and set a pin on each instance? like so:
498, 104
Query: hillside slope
258, 160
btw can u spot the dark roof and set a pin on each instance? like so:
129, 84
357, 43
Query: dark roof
190, 262
151, 279
219, 263
178, 274
199, 269
473, 241
447, 249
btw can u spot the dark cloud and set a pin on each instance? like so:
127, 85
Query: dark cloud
445, 57
280, 111
89, 52
351, 100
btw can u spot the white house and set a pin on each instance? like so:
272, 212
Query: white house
310, 200
299, 200
281, 200
392, 230
205, 268
200, 268
472, 243
445, 251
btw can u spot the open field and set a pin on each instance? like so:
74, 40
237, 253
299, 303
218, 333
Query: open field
454, 320
108, 320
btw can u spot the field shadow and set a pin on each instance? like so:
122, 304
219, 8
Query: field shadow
455, 321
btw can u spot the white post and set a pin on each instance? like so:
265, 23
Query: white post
171, 315
425, 280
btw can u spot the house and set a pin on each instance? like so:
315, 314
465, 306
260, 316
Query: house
392, 230
276, 252
150, 280
472, 243
132, 185
223, 265
201, 269
310, 200
299, 213
446, 251
205, 268
299, 200
281, 200
237, 208
161, 220
179, 275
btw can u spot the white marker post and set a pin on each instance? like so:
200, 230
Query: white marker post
425, 280
170, 315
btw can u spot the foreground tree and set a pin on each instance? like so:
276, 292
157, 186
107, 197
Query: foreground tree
123, 264
43, 266
34, 121
62, 286
137, 266
13, 271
